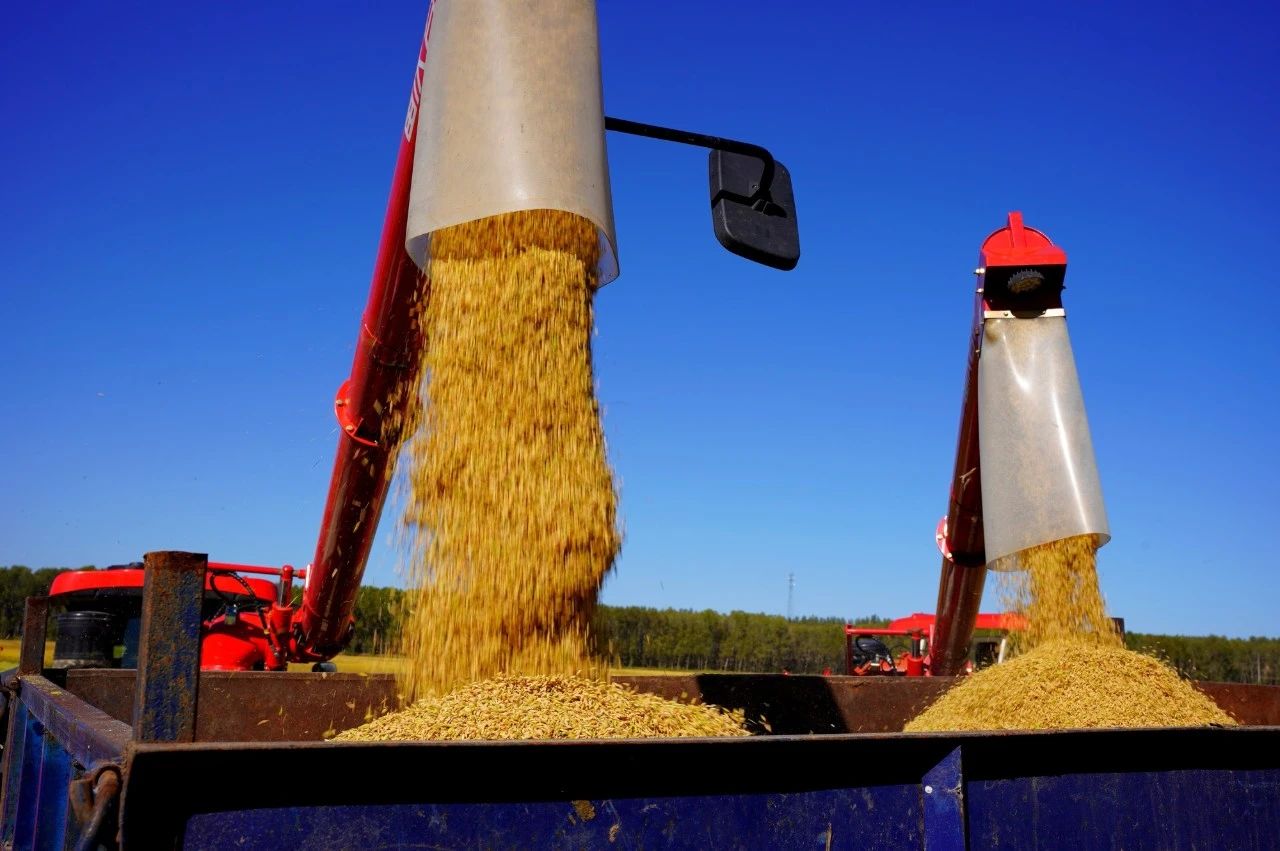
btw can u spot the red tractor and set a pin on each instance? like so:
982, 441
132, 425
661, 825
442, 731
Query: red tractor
241, 621
866, 654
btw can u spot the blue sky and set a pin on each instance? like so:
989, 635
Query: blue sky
192, 194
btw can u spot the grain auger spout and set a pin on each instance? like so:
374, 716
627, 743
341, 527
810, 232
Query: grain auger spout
538, 143
1025, 472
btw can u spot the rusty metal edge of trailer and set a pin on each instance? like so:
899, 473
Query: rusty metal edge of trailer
302, 706
275, 706
89, 735
843, 704
370, 777
61, 767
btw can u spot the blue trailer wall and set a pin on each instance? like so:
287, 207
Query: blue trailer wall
1209, 788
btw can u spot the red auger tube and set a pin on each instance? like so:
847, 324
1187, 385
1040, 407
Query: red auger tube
382, 374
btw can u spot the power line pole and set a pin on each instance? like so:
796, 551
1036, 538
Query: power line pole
791, 591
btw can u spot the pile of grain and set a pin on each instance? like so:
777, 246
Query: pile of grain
507, 707
1071, 683
1074, 671
510, 506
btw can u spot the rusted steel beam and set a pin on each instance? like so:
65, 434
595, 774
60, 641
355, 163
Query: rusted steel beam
256, 706
35, 624
1253, 705
91, 736
169, 651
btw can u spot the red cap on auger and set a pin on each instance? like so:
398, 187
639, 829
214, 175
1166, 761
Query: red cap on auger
1015, 244
1021, 268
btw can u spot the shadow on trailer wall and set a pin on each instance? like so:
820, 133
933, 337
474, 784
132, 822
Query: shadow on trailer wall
164, 757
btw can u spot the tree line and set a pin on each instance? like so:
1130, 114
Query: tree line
17, 583
1214, 657
641, 637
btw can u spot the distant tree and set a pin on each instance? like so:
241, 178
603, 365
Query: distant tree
707, 640
17, 583
1213, 657
378, 615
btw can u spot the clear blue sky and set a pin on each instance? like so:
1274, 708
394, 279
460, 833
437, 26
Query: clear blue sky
192, 193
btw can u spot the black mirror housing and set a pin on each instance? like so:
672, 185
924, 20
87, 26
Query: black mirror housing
758, 223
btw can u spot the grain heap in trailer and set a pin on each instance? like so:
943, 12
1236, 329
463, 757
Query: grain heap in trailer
198, 737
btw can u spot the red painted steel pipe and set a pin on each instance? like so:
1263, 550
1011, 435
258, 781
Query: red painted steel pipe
964, 569
382, 376
258, 570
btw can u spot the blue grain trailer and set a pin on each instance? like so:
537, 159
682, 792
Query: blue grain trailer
165, 757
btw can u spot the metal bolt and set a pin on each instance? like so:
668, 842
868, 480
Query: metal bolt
928, 790
350, 428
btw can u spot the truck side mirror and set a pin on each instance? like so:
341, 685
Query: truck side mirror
753, 210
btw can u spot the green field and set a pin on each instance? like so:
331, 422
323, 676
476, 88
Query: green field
351, 663
10, 649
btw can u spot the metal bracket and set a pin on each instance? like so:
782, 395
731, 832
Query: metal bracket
1024, 314
91, 797
715, 143
342, 410
168, 680
35, 625
943, 791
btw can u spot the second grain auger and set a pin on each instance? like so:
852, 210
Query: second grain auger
1025, 471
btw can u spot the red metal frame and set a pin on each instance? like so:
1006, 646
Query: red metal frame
960, 535
1015, 244
992, 621
912, 663
82, 581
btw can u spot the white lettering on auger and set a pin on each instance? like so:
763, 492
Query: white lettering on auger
415, 93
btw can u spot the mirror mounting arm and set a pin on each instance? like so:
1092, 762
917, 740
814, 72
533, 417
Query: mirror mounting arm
702, 140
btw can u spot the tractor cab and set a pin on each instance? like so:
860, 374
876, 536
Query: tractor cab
867, 650
101, 620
